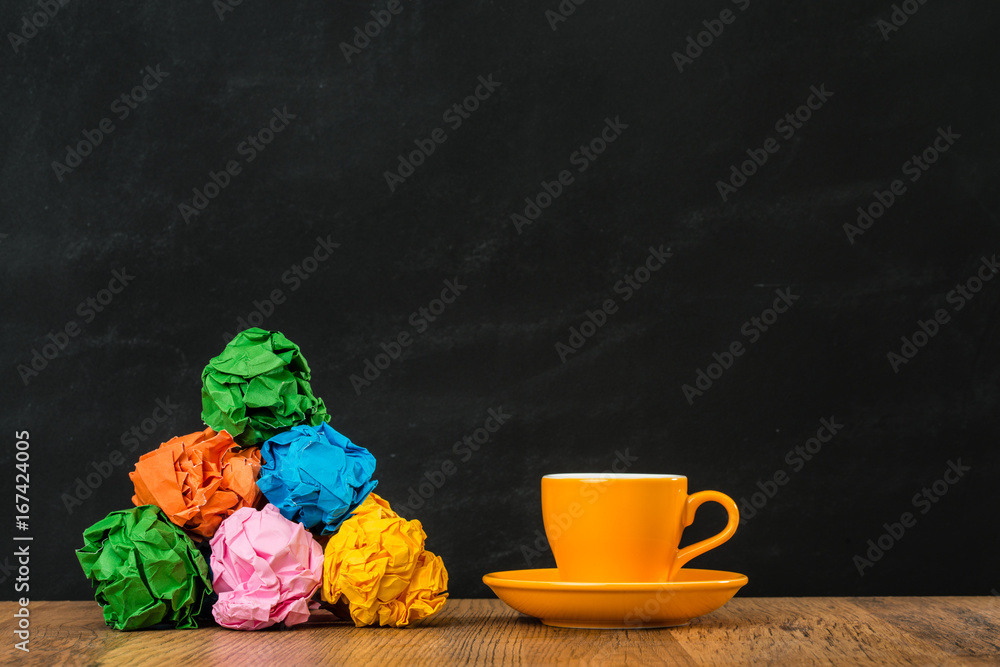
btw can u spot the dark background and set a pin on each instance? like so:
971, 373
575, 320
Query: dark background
495, 346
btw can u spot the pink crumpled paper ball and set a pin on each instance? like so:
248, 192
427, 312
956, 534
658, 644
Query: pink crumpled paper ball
265, 569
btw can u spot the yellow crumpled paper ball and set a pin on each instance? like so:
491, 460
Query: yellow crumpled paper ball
377, 567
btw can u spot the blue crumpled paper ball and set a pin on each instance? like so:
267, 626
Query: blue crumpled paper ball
315, 475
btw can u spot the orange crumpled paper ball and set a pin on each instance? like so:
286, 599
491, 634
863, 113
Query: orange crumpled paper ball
198, 480
377, 567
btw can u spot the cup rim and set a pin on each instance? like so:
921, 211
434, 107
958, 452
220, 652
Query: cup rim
600, 476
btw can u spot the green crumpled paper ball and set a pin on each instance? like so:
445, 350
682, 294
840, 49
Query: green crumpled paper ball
259, 387
145, 570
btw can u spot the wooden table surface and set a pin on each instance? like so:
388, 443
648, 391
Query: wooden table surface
839, 631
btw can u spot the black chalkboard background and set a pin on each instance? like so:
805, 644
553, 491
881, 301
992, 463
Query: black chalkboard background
884, 95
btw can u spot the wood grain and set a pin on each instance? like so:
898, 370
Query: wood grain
809, 631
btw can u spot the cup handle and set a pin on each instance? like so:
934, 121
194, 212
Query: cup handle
694, 501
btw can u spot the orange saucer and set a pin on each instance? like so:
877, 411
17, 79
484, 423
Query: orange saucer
564, 604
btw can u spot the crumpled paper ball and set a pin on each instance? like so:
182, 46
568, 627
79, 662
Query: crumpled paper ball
315, 475
198, 480
259, 387
377, 567
265, 569
145, 570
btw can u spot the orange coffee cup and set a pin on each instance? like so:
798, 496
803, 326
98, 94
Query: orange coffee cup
607, 527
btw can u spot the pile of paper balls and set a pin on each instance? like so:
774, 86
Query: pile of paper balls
229, 522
